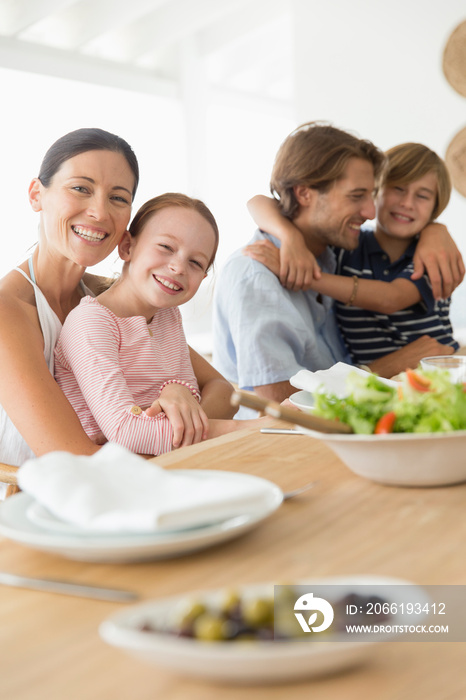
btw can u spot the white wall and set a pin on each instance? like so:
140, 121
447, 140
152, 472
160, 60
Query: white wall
36, 110
240, 150
376, 68
367, 66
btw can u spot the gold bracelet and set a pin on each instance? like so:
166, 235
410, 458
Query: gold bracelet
354, 292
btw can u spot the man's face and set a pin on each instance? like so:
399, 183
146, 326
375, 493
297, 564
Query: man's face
336, 216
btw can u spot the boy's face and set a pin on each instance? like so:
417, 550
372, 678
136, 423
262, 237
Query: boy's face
404, 210
335, 217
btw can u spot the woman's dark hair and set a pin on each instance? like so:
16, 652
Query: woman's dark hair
81, 141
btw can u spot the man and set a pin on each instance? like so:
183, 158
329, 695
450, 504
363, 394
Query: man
324, 180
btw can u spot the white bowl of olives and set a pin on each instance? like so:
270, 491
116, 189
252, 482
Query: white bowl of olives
232, 636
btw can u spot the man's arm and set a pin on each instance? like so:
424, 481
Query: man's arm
275, 392
409, 356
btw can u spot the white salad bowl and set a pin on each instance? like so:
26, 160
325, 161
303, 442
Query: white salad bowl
402, 459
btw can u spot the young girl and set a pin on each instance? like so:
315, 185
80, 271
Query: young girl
122, 355
379, 307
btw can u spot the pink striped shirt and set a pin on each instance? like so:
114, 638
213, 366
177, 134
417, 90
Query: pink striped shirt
107, 365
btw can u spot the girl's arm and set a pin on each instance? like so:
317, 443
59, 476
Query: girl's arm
373, 295
215, 389
438, 255
87, 364
298, 266
28, 392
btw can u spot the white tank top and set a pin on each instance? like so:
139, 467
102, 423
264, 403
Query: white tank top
13, 448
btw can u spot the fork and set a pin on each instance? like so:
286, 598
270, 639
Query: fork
296, 492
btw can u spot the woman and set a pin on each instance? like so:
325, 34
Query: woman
83, 196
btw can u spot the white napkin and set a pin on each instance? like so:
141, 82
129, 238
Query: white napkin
114, 490
330, 381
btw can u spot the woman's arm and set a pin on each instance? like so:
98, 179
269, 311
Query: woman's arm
28, 392
298, 266
373, 295
88, 366
215, 389
438, 255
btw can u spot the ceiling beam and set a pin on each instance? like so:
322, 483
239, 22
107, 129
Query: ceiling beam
241, 60
17, 55
83, 21
158, 30
17, 15
14, 55
25, 56
245, 20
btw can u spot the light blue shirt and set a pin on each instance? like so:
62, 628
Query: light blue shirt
264, 333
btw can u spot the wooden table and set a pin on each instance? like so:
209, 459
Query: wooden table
49, 644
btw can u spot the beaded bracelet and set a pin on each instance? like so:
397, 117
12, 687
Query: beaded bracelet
191, 388
355, 289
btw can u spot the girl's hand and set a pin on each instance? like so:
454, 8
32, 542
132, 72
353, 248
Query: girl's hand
189, 422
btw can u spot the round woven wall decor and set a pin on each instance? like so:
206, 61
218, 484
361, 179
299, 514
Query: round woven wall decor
455, 159
454, 59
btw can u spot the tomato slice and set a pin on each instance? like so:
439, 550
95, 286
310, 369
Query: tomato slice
385, 423
416, 381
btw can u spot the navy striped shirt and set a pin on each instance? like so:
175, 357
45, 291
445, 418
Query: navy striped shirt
370, 335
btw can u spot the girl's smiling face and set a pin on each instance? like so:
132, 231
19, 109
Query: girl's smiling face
403, 210
167, 260
86, 208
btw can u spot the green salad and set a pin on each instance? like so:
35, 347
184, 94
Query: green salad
422, 402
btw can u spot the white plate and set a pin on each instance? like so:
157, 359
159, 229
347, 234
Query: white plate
303, 400
240, 662
39, 515
15, 524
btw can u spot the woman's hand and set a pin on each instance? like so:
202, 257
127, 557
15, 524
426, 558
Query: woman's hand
437, 254
188, 420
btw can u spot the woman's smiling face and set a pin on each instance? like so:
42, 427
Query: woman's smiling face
86, 208
403, 210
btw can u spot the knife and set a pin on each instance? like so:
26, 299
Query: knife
68, 588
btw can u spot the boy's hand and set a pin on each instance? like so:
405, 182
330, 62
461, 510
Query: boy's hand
295, 267
298, 266
437, 255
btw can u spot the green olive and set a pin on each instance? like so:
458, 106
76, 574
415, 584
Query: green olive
209, 628
191, 613
230, 601
257, 612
